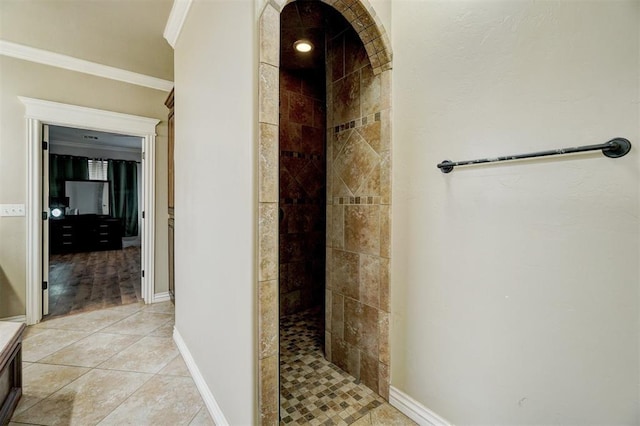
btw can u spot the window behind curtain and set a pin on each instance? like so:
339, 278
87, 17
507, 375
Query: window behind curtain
98, 169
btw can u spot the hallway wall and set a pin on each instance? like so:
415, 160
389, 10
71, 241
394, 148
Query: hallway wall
23, 78
515, 285
215, 207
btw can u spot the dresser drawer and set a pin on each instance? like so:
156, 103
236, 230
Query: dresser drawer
79, 233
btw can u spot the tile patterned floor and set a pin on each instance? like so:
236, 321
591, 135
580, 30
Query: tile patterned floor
119, 366
116, 366
315, 392
81, 282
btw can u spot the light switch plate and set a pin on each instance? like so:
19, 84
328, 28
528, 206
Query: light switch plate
11, 209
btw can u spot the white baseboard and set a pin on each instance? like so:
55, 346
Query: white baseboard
414, 410
17, 318
161, 297
214, 409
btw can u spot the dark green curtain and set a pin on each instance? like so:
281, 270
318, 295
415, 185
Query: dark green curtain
65, 167
123, 179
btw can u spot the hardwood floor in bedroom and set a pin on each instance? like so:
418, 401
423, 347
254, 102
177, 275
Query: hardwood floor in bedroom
81, 282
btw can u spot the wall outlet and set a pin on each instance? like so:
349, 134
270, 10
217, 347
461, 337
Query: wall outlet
11, 209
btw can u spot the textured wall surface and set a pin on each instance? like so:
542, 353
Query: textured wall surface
515, 285
215, 210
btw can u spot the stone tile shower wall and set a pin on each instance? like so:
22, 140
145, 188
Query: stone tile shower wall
363, 19
358, 211
302, 190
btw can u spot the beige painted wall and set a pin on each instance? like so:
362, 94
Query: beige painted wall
215, 199
22, 78
123, 34
515, 286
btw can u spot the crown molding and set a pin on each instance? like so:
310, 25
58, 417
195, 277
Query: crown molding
46, 57
178, 14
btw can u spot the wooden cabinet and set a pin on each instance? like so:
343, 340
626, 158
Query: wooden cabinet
10, 368
171, 194
74, 234
171, 261
171, 180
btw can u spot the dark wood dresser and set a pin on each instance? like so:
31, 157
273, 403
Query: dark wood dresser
74, 234
10, 368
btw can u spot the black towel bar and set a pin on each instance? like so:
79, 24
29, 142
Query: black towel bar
615, 148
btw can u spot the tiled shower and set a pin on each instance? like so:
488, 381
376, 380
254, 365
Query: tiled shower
302, 190
334, 178
358, 250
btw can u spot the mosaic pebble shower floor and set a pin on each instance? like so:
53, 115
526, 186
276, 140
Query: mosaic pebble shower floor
312, 390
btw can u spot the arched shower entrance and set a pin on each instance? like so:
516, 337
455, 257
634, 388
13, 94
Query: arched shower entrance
358, 197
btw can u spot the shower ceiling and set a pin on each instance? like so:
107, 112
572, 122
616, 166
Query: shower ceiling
303, 20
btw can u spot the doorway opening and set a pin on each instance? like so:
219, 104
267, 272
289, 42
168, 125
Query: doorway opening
333, 204
92, 187
39, 113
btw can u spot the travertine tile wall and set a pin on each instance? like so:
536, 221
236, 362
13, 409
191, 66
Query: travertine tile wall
302, 190
267, 285
358, 185
363, 19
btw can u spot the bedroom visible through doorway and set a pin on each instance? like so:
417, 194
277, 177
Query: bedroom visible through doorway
92, 185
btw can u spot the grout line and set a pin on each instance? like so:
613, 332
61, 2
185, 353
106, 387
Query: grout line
139, 337
125, 399
55, 391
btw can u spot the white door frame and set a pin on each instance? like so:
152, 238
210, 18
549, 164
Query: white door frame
39, 112
45, 223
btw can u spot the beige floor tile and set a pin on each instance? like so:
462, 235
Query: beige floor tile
31, 331
89, 321
86, 400
25, 403
202, 418
163, 400
92, 350
389, 416
149, 355
164, 330
140, 323
41, 380
47, 342
177, 367
130, 308
162, 307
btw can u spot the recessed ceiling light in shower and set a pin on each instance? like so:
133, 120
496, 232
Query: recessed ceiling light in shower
303, 46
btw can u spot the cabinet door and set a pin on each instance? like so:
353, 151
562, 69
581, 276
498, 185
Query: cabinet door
171, 261
170, 163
